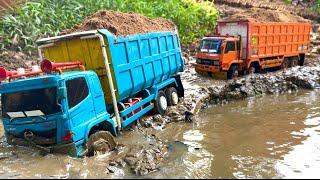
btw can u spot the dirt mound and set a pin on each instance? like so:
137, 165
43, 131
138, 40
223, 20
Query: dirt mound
297, 8
120, 23
264, 15
12, 60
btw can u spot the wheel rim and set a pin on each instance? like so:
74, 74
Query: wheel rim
101, 147
235, 74
101, 143
251, 70
285, 65
175, 98
163, 103
294, 63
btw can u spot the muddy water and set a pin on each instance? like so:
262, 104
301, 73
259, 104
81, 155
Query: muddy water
266, 137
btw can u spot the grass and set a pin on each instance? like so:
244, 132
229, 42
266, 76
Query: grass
21, 27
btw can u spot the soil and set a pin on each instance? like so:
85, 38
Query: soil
8, 4
12, 60
262, 15
120, 23
297, 8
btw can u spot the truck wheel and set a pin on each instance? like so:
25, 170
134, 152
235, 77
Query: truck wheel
100, 142
161, 103
294, 62
172, 96
252, 70
233, 72
285, 64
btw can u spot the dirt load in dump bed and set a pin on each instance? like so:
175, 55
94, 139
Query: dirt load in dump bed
263, 15
295, 7
120, 23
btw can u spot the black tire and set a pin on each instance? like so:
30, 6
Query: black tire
160, 107
285, 64
294, 62
172, 96
101, 141
233, 72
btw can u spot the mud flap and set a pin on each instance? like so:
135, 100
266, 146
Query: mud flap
180, 88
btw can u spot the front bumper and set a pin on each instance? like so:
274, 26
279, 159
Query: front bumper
69, 148
213, 71
207, 68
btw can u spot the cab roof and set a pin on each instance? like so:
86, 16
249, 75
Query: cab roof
227, 38
40, 81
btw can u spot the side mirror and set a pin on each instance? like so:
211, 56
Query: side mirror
222, 50
62, 93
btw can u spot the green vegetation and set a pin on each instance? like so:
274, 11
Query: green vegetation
317, 7
42, 18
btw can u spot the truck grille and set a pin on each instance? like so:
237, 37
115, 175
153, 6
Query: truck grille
39, 139
208, 62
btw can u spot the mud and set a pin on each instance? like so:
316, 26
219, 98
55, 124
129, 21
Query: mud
120, 23
141, 158
144, 159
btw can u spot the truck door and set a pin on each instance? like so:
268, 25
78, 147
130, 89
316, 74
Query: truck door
80, 104
230, 53
97, 95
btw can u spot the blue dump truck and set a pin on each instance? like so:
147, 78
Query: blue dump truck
90, 86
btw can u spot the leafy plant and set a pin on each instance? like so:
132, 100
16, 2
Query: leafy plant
22, 26
318, 6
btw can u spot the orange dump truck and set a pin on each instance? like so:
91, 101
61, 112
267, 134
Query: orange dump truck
243, 46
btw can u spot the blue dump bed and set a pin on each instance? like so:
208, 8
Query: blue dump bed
142, 60
136, 61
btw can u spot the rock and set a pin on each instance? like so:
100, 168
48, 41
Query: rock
120, 162
113, 163
131, 160
158, 118
146, 121
189, 117
4, 157
111, 169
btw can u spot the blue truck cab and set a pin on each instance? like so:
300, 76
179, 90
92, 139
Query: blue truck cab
75, 112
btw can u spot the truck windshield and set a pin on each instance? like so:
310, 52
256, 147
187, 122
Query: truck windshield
36, 102
210, 46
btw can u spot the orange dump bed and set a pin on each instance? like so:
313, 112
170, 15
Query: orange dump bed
268, 39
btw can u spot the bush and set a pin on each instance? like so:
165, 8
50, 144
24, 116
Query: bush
42, 18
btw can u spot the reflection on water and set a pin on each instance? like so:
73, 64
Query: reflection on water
304, 160
267, 137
